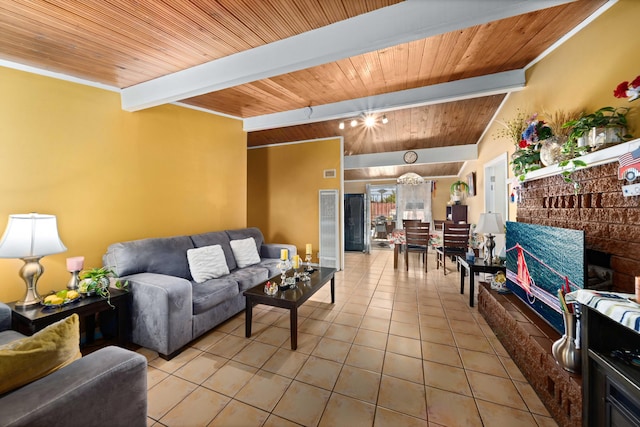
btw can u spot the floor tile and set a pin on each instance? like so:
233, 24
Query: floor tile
358, 383
341, 332
238, 414
197, 409
306, 343
345, 411
441, 354
452, 409
154, 376
255, 354
319, 372
531, 399
435, 335
331, 349
512, 369
274, 336
276, 421
167, 394
263, 390
402, 396
501, 416
404, 367
473, 342
388, 418
405, 329
177, 362
200, 368
207, 340
285, 362
495, 389
303, 404
230, 378
314, 327
446, 377
228, 346
375, 324
407, 346
365, 358
482, 362
369, 338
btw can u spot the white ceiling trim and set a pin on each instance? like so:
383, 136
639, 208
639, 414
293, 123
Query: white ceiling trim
389, 26
474, 87
425, 156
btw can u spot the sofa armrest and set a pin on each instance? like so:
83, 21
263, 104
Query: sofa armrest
161, 313
5, 317
106, 387
272, 250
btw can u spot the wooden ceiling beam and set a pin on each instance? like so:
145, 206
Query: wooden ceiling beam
492, 84
389, 26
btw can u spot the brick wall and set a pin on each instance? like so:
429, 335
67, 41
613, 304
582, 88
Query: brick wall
611, 221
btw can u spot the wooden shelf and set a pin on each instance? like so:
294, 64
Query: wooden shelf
600, 157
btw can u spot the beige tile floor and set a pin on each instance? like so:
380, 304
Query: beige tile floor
396, 349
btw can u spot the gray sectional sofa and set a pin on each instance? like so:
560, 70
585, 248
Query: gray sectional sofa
105, 388
170, 309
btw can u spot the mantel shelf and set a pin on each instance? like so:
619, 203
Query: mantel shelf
600, 157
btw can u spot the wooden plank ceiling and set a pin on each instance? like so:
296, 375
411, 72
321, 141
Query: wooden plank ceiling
122, 43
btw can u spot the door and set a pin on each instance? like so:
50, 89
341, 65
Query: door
354, 223
496, 197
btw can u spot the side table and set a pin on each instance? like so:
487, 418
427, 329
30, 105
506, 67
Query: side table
30, 320
478, 266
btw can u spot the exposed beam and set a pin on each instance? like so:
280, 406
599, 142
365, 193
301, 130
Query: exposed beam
425, 156
474, 87
389, 26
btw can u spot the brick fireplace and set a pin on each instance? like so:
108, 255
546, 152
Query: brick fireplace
611, 221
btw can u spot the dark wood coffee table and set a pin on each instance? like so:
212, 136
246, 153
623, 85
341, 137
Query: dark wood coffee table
30, 320
290, 299
478, 266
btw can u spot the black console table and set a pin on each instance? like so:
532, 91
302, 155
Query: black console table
611, 387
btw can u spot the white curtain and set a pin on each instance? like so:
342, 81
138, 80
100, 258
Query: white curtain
413, 201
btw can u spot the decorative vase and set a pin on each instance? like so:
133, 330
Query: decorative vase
598, 137
565, 351
551, 151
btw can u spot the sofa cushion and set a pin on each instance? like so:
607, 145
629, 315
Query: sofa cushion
248, 277
216, 238
243, 233
245, 252
271, 265
166, 255
213, 292
34, 357
207, 262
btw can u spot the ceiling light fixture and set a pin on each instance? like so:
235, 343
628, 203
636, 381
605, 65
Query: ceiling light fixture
369, 121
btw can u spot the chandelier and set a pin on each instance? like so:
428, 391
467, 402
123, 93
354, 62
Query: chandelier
410, 178
368, 120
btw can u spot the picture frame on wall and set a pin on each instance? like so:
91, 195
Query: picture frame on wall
471, 182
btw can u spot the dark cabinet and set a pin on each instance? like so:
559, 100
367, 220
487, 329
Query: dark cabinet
610, 387
457, 213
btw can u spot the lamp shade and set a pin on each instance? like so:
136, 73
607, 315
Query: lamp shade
31, 235
490, 223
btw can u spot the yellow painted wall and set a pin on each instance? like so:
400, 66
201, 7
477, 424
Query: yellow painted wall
283, 186
109, 175
580, 75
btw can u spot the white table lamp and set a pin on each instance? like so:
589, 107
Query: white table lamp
30, 237
490, 224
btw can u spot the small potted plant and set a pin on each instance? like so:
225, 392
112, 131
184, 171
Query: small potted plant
97, 281
458, 190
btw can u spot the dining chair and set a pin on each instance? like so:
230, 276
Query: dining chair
455, 241
417, 240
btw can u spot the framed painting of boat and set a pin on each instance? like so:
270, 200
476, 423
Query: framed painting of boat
540, 261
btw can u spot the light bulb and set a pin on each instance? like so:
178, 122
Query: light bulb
354, 122
369, 121
341, 125
385, 120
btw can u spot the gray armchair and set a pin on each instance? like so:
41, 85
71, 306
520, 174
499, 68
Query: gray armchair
106, 387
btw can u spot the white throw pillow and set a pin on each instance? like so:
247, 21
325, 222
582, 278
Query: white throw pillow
245, 252
207, 262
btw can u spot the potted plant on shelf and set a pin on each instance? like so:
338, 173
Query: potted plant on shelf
97, 281
605, 126
458, 190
